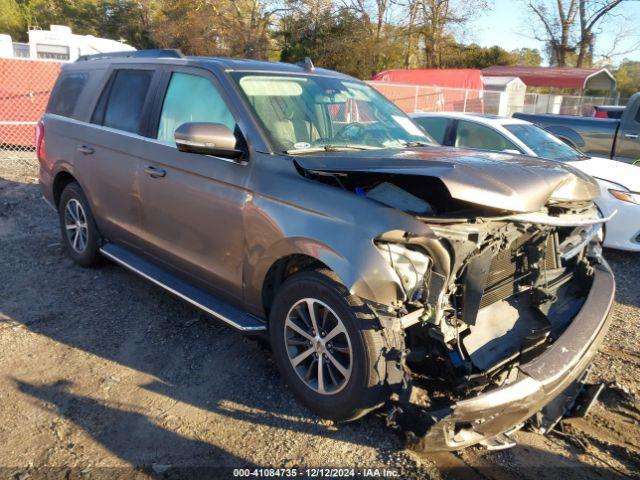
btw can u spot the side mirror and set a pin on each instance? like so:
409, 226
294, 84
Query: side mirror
207, 138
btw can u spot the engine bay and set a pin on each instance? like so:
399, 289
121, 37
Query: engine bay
512, 285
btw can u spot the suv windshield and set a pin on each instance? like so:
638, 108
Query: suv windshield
309, 113
544, 144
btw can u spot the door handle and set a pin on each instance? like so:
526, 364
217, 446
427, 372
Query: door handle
631, 136
85, 149
154, 172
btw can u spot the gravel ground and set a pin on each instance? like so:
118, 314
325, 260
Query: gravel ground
105, 375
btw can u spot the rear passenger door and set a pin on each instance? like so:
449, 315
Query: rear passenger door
192, 204
108, 156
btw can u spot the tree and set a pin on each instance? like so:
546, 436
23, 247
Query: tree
569, 28
338, 40
527, 57
457, 55
436, 19
372, 14
591, 14
241, 28
359, 37
116, 19
12, 20
628, 77
557, 27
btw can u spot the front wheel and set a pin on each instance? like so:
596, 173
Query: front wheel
328, 347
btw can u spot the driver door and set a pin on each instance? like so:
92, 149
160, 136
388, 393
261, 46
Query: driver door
192, 204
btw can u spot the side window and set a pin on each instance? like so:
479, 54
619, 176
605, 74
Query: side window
191, 98
434, 126
474, 135
66, 93
122, 100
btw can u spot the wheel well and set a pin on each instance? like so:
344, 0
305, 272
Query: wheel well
62, 180
283, 269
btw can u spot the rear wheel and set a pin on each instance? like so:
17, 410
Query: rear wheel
79, 232
328, 346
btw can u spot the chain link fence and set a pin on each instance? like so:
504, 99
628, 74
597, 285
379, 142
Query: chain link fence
416, 98
567, 104
25, 86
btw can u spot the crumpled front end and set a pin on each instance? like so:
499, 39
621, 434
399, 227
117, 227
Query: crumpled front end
483, 417
503, 303
511, 321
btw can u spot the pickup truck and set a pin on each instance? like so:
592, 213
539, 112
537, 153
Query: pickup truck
617, 139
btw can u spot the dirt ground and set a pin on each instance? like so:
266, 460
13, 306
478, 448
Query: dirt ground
103, 375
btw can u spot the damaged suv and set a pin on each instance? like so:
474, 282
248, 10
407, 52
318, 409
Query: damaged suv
464, 290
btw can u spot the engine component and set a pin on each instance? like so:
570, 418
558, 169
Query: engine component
410, 265
396, 197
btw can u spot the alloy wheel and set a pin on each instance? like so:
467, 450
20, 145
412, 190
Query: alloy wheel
75, 224
318, 346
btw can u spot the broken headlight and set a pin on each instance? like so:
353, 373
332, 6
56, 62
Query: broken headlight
410, 265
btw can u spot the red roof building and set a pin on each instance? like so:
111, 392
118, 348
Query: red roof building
442, 77
557, 77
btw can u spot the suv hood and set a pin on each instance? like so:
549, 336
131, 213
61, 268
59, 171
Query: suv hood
506, 182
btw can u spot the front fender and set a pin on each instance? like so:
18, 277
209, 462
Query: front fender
332, 225
361, 269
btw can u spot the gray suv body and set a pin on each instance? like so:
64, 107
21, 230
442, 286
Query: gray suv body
298, 203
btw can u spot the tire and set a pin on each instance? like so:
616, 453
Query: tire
346, 397
74, 209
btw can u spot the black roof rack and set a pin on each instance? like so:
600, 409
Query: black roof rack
150, 53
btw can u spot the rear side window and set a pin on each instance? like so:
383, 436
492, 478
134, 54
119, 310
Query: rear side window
436, 127
474, 135
122, 100
64, 97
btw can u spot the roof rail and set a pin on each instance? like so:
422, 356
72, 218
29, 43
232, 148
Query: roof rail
150, 53
307, 64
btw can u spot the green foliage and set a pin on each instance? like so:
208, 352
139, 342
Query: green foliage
12, 20
239, 28
337, 35
105, 18
475, 56
342, 42
527, 57
628, 78
349, 43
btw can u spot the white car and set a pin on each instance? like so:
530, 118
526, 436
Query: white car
620, 182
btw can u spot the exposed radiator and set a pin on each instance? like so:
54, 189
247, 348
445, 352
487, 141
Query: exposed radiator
510, 269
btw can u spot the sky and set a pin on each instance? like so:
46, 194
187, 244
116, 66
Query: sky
508, 25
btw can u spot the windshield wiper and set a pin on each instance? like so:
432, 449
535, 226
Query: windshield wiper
331, 148
419, 144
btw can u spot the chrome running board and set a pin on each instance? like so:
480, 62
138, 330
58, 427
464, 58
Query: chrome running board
205, 301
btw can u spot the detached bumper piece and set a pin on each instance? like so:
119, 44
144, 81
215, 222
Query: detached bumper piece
557, 373
575, 401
